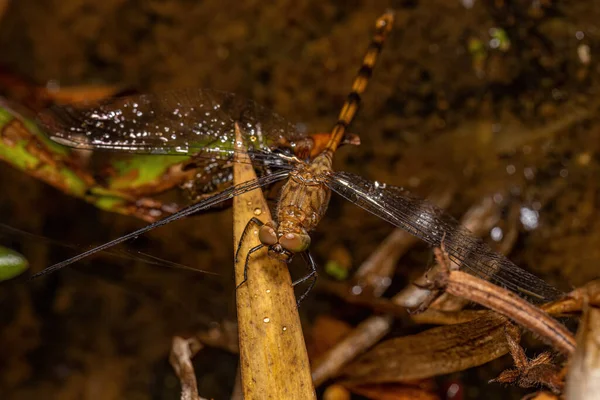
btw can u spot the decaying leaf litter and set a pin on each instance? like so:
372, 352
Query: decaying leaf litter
554, 192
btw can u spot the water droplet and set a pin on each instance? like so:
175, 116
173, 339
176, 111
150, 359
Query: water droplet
356, 290
529, 218
257, 211
268, 290
249, 203
496, 234
284, 328
266, 320
529, 173
452, 391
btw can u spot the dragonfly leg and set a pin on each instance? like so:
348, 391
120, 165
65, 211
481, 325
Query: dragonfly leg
254, 221
311, 275
252, 250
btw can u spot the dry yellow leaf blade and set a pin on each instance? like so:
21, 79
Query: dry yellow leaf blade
273, 359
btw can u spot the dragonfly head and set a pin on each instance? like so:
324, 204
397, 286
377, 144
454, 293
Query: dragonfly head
283, 246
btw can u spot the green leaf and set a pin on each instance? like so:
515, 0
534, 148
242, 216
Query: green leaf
11, 263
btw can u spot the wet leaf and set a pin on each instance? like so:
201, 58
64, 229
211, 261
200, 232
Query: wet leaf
11, 263
433, 352
24, 146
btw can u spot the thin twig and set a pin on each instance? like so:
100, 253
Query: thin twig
504, 302
182, 352
575, 301
365, 335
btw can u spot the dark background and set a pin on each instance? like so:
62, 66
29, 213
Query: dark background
439, 111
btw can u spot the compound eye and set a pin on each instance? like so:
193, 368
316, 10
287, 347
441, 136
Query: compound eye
267, 235
295, 242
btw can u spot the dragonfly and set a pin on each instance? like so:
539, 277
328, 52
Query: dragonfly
203, 123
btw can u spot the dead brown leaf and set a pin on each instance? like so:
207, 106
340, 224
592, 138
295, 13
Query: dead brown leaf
437, 351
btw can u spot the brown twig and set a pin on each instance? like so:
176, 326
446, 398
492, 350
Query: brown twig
388, 306
575, 301
365, 335
273, 359
182, 352
502, 301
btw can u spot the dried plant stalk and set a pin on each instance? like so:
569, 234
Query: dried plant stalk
182, 352
273, 358
583, 381
502, 301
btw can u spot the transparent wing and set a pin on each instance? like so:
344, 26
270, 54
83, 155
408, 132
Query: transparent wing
204, 204
188, 121
432, 225
9, 233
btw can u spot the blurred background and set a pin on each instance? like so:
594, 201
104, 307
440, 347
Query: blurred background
492, 98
